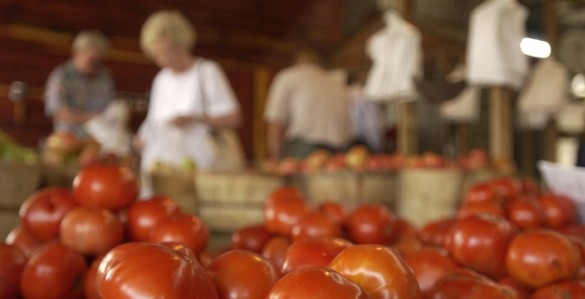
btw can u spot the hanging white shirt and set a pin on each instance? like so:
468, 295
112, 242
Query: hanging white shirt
396, 54
494, 57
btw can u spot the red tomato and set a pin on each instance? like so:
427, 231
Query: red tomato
481, 193
525, 213
461, 285
282, 213
144, 215
149, 270
316, 283
91, 231
493, 208
53, 272
371, 224
539, 257
434, 233
12, 262
252, 238
314, 225
506, 188
205, 258
480, 242
528, 186
571, 289
522, 291
407, 240
242, 274
575, 229
23, 240
559, 210
42, 212
185, 229
334, 210
105, 186
89, 288
380, 271
430, 265
318, 252
286, 192
275, 251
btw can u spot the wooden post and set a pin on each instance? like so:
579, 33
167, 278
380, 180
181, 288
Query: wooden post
528, 157
462, 139
551, 135
551, 30
407, 128
500, 124
261, 85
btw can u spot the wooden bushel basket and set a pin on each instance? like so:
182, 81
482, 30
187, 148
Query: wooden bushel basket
17, 182
427, 195
477, 176
179, 187
53, 176
8, 221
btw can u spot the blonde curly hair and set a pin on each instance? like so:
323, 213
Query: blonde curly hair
167, 25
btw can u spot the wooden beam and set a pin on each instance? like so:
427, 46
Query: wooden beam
407, 129
500, 123
261, 86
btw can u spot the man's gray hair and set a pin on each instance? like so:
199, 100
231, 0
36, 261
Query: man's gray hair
91, 39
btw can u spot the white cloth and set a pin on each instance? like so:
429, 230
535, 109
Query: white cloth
201, 90
110, 130
367, 119
544, 94
312, 103
571, 118
396, 54
463, 108
493, 49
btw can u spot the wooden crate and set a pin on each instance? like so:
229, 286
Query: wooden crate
8, 221
63, 176
178, 186
477, 176
17, 182
427, 195
227, 219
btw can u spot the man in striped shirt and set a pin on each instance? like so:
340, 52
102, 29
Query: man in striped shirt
82, 87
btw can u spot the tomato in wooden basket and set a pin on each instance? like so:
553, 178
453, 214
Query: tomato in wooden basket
185, 229
312, 253
430, 265
144, 215
105, 186
314, 225
571, 289
371, 224
41, 214
12, 262
252, 238
22, 239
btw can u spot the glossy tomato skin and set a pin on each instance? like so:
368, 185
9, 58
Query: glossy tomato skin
41, 214
12, 262
482, 192
105, 186
185, 229
151, 270
525, 213
53, 272
23, 240
371, 224
285, 192
559, 210
473, 208
430, 265
380, 271
575, 229
282, 213
539, 257
571, 289
461, 285
522, 291
317, 252
506, 188
314, 225
434, 233
334, 210
275, 251
144, 215
481, 241
316, 283
242, 274
89, 288
252, 238
91, 231
407, 239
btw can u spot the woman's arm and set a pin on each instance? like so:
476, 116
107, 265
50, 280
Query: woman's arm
227, 121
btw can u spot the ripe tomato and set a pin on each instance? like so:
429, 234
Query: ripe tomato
526, 213
285, 192
482, 192
185, 229
41, 214
91, 231
434, 233
472, 208
529, 187
89, 288
275, 251
252, 238
407, 240
313, 253
23, 240
205, 258
53, 272
144, 215
480, 242
571, 289
12, 262
316, 283
149, 270
539, 257
559, 210
462, 285
105, 186
314, 225
242, 274
282, 213
334, 210
522, 291
575, 229
371, 224
430, 265
380, 271
506, 188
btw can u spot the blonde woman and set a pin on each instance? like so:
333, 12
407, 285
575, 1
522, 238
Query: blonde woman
190, 95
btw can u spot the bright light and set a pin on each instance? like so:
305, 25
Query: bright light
535, 48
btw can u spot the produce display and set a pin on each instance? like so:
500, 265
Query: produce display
508, 240
12, 152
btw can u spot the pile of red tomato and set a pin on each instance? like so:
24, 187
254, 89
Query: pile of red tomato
508, 240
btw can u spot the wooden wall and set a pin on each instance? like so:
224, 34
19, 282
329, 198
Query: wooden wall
251, 39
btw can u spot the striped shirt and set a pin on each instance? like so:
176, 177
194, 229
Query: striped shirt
66, 87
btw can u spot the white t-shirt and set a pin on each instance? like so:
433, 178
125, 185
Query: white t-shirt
201, 90
312, 103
